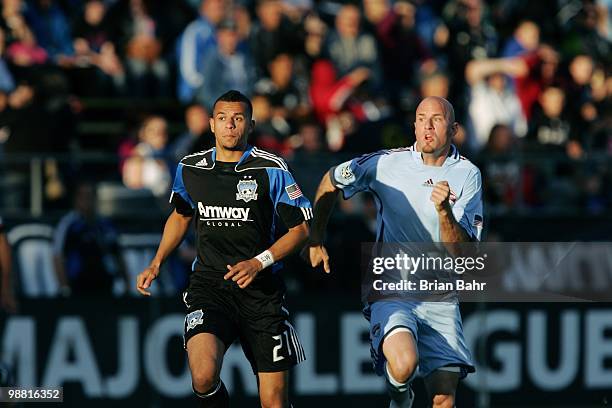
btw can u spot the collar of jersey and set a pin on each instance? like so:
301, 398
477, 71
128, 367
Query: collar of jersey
246, 154
452, 158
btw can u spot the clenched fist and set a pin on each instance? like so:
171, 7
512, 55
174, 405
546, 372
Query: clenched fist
440, 196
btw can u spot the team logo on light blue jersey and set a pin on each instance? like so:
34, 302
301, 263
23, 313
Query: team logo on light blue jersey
346, 173
247, 190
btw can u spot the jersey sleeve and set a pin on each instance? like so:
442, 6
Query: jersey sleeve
355, 175
289, 201
179, 197
468, 207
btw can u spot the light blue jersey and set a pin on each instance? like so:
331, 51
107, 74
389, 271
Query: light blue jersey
402, 185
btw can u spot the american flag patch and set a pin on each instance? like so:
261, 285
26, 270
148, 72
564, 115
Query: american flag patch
477, 220
293, 191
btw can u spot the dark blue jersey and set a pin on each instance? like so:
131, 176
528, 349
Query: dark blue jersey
236, 205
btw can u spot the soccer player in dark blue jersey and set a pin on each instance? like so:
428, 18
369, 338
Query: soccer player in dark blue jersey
236, 193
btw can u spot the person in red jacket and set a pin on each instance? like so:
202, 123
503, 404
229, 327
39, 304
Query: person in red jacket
331, 95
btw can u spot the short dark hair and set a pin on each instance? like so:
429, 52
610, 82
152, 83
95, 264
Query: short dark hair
235, 96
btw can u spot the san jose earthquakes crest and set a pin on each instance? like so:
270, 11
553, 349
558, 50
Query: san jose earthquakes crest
247, 190
194, 318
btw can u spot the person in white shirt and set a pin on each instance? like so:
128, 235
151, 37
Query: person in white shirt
492, 99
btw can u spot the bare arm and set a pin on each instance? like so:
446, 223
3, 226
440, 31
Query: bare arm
290, 242
325, 200
174, 231
451, 232
477, 70
243, 273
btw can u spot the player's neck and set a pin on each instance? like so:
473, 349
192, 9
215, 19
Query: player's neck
436, 158
227, 155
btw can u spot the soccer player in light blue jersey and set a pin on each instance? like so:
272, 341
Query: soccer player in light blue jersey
424, 193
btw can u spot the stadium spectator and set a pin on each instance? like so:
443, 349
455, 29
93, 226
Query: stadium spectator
601, 86
267, 135
348, 47
86, 254
402, 51
226, 66
308, 147
197, 137
549, 127
525, 39
331, 95
93, 47
244, 25
287, 102
583, 37
501, 174
11, 9
581, 108
492, 99
309, 138
51, 29
315, 33
282, 34
431, 28
436, 83
7, 82
471, 36
8, 300
195, 42
22, 49
19, 135
138, 31
91, 30
274, 33
542, 71
147, 166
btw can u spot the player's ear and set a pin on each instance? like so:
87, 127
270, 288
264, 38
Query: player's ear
211, 123
252, 126
454, 129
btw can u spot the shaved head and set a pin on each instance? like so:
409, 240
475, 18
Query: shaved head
434, 128
447, 107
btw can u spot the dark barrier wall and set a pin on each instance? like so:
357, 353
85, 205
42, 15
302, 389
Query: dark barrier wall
129, 352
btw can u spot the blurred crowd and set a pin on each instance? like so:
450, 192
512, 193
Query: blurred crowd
528, 79
531, 82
